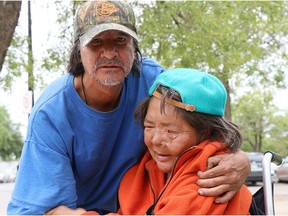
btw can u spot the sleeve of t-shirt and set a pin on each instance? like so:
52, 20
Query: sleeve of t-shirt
45, 178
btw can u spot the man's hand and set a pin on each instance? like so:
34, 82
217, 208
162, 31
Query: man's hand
64, 210
224, 176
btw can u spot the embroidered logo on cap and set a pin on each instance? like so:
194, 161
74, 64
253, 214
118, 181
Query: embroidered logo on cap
105, 10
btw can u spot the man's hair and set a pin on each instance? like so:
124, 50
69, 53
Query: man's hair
76, 68
209, 127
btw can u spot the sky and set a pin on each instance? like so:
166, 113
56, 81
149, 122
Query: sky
43, 23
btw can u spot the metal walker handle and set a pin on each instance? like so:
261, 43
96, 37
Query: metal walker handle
269, 157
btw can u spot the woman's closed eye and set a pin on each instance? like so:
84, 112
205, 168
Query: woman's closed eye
170, 133
163, 131
148, 127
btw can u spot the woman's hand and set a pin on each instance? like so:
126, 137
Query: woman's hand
64, 210
224, 176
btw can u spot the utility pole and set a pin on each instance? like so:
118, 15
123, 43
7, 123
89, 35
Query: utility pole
30, 56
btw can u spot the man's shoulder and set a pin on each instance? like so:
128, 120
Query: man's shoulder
148, 62
150, 68
57, 85
60, 81
53, 89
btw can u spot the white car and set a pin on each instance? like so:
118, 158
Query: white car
8, 171
256, 174
282, 171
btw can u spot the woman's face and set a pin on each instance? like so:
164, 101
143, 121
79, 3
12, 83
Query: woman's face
167, 135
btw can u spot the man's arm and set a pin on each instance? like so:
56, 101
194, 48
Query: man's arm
224, 176
64, 210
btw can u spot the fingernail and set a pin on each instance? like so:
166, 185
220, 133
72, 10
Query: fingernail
200, 192
217, 201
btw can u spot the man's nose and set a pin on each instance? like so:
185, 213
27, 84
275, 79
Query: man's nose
109, 51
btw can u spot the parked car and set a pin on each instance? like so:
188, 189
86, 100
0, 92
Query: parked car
256, 167
282, 171
8, 171
256, 174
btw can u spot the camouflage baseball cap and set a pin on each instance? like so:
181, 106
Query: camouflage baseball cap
95, 17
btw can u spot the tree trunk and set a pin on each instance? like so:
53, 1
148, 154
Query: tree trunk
9, 15
228, 115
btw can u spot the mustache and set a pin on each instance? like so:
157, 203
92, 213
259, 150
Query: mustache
105, 61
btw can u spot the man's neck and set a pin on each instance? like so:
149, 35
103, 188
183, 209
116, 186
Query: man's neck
99, 97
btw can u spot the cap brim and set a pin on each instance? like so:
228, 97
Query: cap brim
90, 34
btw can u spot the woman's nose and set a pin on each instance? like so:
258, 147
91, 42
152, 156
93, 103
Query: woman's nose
157, 138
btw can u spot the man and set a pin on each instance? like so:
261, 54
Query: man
81, 135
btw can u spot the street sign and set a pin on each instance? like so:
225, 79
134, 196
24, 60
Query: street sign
27, 102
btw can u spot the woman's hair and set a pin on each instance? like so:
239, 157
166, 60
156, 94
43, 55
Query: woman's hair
209, 127
76, 68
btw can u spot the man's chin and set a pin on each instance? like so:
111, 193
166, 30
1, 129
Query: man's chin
110, 82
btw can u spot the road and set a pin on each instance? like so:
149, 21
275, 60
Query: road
280, 197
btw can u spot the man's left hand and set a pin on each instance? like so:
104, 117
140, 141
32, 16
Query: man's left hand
224, 176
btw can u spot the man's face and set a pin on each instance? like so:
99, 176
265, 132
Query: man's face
109, 57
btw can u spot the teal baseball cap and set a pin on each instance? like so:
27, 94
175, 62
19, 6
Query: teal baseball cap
200, 91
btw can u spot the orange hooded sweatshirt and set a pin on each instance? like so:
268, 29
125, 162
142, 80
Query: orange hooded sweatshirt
144, 187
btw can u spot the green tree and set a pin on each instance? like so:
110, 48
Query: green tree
224, 38
277, 137
251, 112
54, 60
15, 61
261, 126
10, 137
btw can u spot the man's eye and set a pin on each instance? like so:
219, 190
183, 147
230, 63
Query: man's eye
95, 41
121, 40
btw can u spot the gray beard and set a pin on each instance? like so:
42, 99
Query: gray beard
110, 82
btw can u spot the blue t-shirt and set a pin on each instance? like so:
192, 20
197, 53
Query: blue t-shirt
74, 155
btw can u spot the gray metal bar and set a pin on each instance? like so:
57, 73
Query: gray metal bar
269, 157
